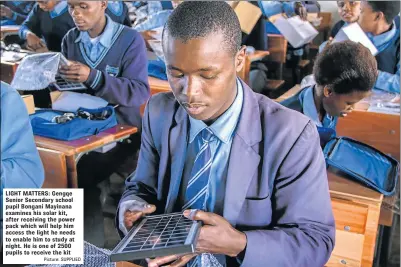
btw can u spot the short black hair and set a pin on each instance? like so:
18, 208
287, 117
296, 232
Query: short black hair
346, 67
390, 9
194, 19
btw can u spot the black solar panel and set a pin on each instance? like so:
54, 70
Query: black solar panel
157, 236
63, 85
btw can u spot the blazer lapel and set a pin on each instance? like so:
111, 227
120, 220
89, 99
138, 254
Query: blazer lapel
178, 148
244, 157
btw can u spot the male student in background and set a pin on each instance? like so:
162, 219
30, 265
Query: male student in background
349, 11
377, 20
207, 146
50, 20
21, 166
290, 9
111, 60
14, 12
338, 86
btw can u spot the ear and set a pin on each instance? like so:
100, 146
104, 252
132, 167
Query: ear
240, 58
104, 4
327, 92
379, 16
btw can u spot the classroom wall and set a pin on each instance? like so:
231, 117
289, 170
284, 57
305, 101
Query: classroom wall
330, 6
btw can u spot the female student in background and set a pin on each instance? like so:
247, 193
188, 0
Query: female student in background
345, 73
349, 11
50, 20
377, 19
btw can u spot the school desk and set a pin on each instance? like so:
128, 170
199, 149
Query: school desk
74, 150
7, 71
8, 30
379, 130
356, 211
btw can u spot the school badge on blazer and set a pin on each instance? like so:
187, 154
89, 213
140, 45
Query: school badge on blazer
112, 71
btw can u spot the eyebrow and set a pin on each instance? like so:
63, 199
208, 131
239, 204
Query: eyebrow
170, 67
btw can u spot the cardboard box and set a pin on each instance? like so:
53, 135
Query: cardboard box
355, 33
247, 14
29, 103
296, 31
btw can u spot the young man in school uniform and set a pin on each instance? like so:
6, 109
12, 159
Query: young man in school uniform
110, 59
349, 11
377, 20
51, 20
14, 12
345, 73
208, 145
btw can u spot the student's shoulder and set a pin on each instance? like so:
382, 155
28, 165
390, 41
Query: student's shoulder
130, 35
162, 99
161, 105
283, 118
72, 34
9, 97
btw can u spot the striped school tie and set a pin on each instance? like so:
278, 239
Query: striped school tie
198, 191
197, 188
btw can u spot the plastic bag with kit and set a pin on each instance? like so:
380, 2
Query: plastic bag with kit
38, 71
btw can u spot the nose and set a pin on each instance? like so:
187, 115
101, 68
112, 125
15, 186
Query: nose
191, 88
74, 12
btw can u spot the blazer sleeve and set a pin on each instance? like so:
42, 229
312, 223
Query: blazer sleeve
31, 23
21, 166
142, 184
131, 88
303, 229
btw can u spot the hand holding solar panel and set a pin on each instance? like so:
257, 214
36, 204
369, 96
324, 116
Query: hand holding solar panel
74, 72
216, 237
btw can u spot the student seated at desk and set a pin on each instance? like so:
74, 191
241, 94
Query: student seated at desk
15, 12
289, 8
344, 74
377, 20
349, 11
21, 166
207, 146
50, 20
109, 58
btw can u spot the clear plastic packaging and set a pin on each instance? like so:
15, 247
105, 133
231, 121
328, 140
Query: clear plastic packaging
37, 71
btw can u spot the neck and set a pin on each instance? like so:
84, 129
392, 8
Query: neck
382, 28
98, 28
318, 99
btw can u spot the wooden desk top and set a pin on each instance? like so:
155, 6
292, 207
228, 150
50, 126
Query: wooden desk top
86, 144
158, 85
342, 187
8, 29
257, 55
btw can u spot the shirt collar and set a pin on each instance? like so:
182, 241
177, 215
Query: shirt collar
225, 125
105, 38
310, 110
384, 38
58, 9
309, 107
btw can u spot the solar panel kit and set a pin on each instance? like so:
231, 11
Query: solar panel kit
158, 236
62, 85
